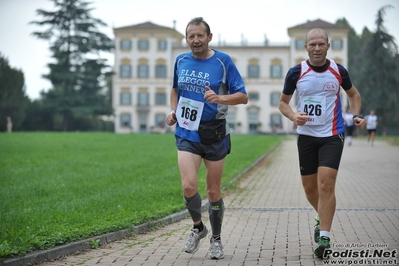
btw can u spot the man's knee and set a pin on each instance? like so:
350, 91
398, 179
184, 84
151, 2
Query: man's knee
309, 184
214, 193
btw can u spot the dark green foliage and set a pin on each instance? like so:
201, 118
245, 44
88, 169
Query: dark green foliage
380, 80
373, 66
13, 101
78, 74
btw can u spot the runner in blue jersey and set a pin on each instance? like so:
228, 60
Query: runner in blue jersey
205, 82
320, 126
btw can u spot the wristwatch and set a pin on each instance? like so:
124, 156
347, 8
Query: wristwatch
359, 116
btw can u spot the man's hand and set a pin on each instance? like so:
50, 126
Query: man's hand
360, 122
299, 118
171, 118
210, 96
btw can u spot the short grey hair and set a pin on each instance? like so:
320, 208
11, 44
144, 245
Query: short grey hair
198, 21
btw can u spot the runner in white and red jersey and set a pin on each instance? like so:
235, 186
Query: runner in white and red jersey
320, 126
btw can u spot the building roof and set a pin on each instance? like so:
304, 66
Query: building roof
149, 27
145, 26
318, 23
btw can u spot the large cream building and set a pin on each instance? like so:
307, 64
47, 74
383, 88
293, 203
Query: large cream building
144, 60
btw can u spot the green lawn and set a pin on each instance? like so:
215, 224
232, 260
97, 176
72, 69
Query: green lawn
394, 140
56, 188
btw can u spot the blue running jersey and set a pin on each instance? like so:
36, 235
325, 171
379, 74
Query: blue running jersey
191, 75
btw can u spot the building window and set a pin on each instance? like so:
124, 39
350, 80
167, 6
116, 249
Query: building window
143, 45
337, 44
276, 71
125, 71
162, 45
231, 120
160, 71
125, 98
253, 96
160, 98
125, 45
143, 123
142, 71
276, 121
299, 44
274, 98
125, 120
143, 99
160, 120
253, 119
253, 71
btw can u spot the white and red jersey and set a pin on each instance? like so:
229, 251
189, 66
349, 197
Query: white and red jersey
318, 94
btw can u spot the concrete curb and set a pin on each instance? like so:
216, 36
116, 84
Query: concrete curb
60, 251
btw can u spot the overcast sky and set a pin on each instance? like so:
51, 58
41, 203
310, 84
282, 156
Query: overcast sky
229, 21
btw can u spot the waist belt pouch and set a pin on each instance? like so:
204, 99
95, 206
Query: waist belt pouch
212, 131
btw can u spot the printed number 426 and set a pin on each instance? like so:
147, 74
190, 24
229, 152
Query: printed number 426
313, 109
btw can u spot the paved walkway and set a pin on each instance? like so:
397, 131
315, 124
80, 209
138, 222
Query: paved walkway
268, 220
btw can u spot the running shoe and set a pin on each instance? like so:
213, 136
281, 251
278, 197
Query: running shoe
316, 229
323, 243
193, 240
216, 250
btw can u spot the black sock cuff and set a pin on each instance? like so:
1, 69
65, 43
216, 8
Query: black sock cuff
199, 226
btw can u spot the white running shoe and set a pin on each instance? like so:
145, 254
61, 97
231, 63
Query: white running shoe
193, 240
216, 250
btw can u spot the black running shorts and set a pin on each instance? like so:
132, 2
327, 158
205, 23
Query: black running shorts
314, 152
213, 152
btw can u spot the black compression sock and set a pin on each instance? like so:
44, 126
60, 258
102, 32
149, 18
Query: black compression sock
216, 210
199, 226
193, 205
217, 238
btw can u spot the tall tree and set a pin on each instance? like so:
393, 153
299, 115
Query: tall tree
77, 70
13, 100
38, 118
354, 43
379, 81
